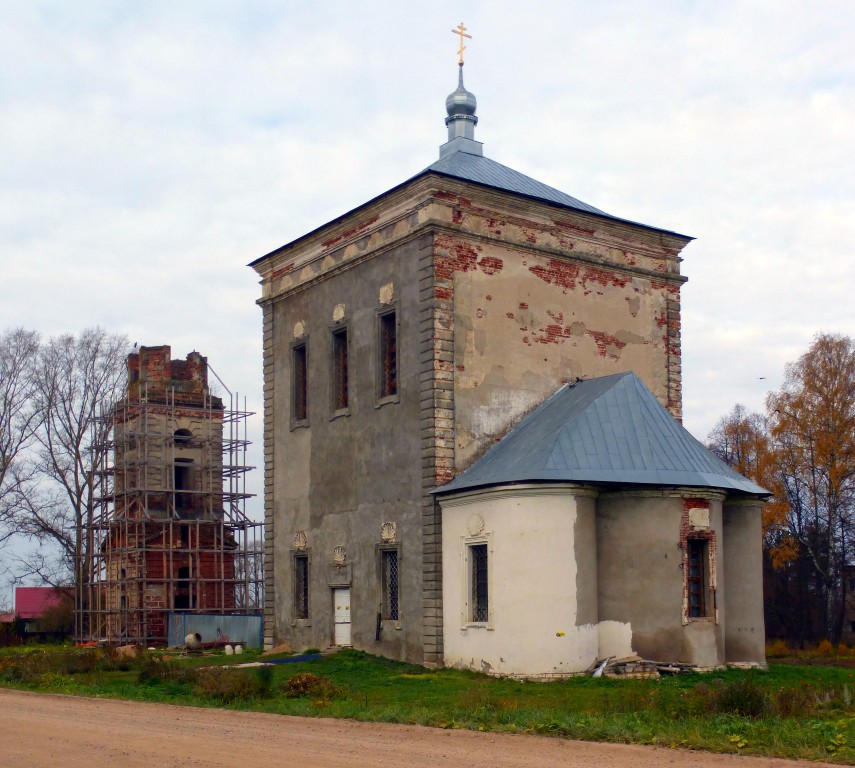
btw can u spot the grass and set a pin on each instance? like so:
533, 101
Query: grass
790, 711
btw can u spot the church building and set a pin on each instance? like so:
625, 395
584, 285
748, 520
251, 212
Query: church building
473, 456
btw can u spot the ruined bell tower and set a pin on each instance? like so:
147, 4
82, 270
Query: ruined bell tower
170, 534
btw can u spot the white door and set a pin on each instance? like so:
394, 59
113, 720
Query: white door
341, 614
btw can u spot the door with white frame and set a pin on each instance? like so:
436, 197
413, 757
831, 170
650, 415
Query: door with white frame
341, 615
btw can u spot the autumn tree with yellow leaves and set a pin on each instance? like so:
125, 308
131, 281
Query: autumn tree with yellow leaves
803, 452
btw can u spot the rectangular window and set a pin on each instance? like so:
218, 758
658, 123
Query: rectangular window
300, 409
182, 480
478, 583
301, 586
697, 577
389, 568
339, 366
388, 355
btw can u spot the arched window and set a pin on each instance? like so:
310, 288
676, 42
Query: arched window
182, 437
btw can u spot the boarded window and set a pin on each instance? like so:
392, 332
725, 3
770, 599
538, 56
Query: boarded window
389, 568
339, 363
300, 410
697, 577
478, 581
388, 355
301, 586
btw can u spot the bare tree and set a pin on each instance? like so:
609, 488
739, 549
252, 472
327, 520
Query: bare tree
19, 419
75, 379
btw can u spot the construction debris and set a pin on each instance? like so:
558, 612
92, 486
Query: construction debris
634, 667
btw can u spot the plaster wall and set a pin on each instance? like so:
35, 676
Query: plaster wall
524, 323
339, 476
641, 557
745, 633
573, 268
538, 590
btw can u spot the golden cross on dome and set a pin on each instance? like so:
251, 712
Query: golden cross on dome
461, 30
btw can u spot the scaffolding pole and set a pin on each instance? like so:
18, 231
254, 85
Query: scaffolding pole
169, 531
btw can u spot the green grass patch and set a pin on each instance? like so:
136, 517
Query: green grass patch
790, 711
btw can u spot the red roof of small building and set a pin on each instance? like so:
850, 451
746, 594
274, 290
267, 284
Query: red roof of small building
7, 618
31, 602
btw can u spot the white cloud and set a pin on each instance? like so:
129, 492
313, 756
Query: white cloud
149, 151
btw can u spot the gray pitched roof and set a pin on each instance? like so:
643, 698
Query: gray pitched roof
482, 170
607, 430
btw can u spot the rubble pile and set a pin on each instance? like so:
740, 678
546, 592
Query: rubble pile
634, 667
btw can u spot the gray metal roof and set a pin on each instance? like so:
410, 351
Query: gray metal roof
607, 430
482, 170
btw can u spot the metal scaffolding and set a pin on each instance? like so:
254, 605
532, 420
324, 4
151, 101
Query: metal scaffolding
169, 532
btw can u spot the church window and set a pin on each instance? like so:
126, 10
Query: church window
698, 577
478, 584
182, 480
184, 599
388, 347
301, 586
389, 575
182, 438
300, 391
339, 369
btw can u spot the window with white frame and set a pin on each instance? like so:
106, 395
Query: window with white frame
479, 592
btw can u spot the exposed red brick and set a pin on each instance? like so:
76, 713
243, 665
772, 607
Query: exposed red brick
523, 305
284, 271
560, 273
489, 265
552, 334
604, 341
573, 227
442, 293
604, 277
668, 287
350, 232
452, 197
454, 256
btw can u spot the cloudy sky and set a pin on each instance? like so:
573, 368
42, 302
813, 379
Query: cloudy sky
150, 150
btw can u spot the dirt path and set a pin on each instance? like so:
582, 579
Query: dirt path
45, 731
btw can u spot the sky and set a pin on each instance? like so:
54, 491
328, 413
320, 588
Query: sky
150, 150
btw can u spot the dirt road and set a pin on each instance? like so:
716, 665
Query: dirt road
44, 731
